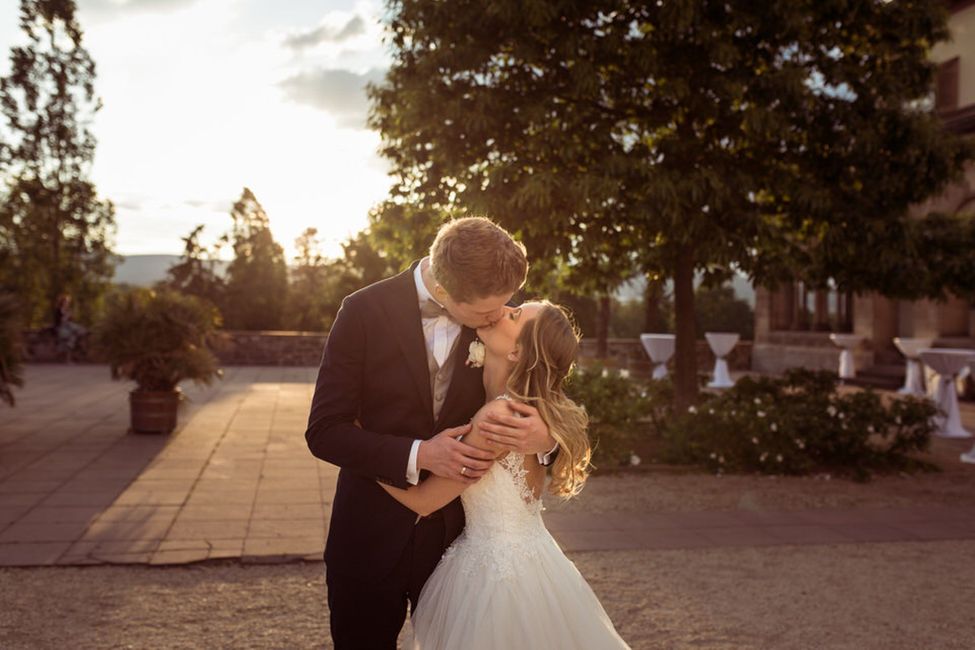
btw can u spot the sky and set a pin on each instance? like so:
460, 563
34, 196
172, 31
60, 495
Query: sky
204, 97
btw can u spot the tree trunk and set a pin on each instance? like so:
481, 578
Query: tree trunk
685, 354
602, 327
821, 311
652, 294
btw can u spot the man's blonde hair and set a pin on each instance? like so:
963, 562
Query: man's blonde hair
475, 258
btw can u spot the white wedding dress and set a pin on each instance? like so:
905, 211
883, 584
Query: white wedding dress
505, 583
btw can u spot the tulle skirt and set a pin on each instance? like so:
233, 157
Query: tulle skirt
510, 595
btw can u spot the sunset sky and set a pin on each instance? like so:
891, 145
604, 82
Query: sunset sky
203, 97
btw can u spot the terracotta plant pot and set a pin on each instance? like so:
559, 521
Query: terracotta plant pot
154, 411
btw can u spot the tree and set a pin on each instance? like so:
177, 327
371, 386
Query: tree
308, 308
672, 138
257, 278
55, 232
360, 265
718, 310
195, 272
403, 232
364, 263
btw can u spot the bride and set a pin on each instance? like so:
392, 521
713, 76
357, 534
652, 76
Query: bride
505, 583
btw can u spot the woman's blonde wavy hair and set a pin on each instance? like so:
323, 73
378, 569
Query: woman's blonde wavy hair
547, 346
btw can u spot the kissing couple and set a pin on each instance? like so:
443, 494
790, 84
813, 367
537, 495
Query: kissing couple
444, 408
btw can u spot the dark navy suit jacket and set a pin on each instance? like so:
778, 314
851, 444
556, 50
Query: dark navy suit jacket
372, 399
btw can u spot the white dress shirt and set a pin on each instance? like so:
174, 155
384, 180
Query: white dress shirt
440, 334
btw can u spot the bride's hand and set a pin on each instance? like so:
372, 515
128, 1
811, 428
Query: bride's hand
450, 458
523, 432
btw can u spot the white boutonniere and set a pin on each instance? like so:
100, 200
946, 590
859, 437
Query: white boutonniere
475, 354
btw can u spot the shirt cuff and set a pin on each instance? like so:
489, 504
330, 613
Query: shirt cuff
412, 473
544, 459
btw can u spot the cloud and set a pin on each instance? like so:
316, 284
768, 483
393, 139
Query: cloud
326, 34
104, 8
340, 93
211, 205
129, 204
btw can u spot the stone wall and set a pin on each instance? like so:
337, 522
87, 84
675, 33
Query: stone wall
630, 355
272, 348
233, 348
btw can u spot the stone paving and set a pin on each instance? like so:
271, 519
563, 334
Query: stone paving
237, 481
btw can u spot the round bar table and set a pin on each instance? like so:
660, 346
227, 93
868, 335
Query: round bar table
660, 348
911, 349
948, 362
846, 342
721, 345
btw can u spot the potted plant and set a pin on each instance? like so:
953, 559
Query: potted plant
11, 371
157, 338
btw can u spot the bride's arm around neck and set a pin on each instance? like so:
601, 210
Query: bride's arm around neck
436, 492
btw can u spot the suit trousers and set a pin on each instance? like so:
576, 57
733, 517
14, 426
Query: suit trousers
370, 616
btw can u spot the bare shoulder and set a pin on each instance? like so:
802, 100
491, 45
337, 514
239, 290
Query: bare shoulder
494, 406
476, 436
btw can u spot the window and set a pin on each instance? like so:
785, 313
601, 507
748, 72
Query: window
946, 86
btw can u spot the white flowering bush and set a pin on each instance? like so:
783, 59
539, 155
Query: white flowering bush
799, 424
618, 409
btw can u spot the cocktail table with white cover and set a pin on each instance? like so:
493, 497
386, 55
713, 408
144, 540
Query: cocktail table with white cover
846, 342
660, 348
721, 344
911, 349
948, 362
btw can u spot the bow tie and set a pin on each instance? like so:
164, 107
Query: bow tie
431, 309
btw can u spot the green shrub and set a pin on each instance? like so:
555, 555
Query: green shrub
799, 424
11, 371
158, 338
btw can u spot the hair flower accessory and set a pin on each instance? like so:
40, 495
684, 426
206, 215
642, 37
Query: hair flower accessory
475, 354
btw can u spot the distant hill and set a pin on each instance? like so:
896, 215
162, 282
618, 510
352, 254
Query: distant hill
145, 270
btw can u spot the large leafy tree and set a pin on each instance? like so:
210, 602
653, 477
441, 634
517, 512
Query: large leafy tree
673, 137
55, 232
403, 231
257, 277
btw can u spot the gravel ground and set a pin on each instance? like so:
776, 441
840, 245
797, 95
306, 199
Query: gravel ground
883, 596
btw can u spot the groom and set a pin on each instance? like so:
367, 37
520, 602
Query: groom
394, 392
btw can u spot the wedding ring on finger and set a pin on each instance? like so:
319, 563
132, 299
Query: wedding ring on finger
463, 471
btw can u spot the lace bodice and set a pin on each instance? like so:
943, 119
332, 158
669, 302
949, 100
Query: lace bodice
502, 501
504, 518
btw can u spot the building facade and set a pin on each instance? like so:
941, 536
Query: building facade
793, 324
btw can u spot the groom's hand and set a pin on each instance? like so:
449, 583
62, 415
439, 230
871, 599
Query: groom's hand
448, 457
523, 431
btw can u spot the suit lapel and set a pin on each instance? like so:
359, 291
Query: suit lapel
403, 310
